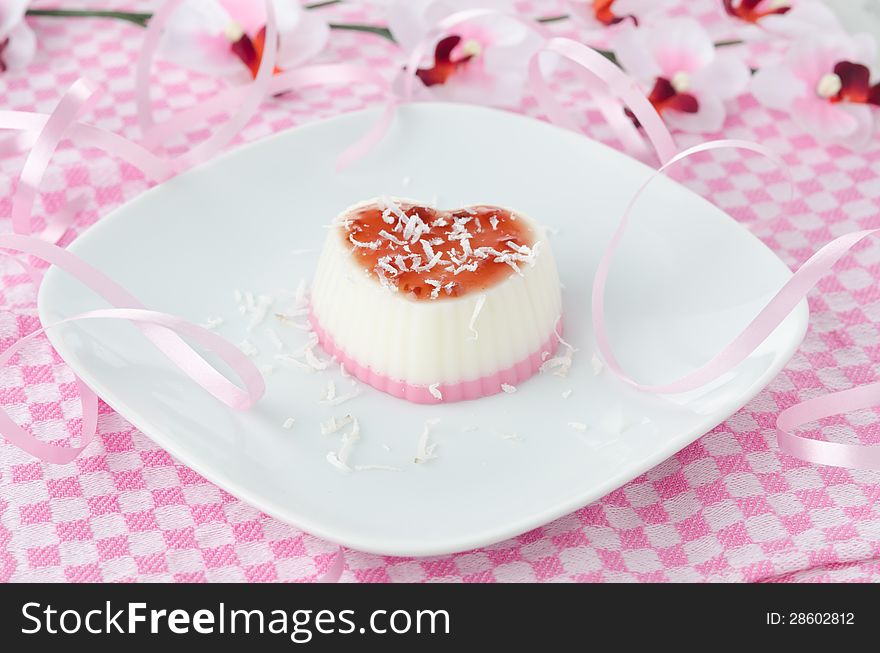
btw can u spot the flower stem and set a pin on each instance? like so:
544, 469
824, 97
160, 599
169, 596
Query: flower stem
384, 32
325, 3
552, 19
139, 19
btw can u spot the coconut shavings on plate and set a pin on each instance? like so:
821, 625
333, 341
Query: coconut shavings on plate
425, 450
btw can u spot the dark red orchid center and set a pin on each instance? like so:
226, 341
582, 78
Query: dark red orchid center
444, 65
666, 97
748, 10
604, 13
3, 45
850, 82
250, 51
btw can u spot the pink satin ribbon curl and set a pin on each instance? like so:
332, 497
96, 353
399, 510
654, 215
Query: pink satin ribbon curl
855, 456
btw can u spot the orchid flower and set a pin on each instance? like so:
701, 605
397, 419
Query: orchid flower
824, 84
601, 14
788, 19
686, 78
18, 44
484, 60
223, 37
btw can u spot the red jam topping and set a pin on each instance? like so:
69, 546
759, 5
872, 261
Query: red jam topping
431, 254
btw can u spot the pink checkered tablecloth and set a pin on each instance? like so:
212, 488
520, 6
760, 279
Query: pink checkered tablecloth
729, 507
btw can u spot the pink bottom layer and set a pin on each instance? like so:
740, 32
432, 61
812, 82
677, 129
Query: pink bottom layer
419, 394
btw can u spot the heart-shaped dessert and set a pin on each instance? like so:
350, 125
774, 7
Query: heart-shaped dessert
432, 305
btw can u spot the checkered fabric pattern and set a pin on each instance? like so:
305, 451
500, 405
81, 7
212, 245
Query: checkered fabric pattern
730, 507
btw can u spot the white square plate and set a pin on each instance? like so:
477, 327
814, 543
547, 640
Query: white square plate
687, 279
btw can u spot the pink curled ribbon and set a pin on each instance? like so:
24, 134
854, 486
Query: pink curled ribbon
614, 88
162, 329
609, 86
770, 317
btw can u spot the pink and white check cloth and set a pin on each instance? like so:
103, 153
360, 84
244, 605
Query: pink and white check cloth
730, 507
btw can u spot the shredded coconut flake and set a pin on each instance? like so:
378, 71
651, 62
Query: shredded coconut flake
373, 244
348, 441
436, 285
290, 361
394, 239
560, 339
329, 392
597, 364
478, 306
425, 451
260, 308
313, 361
509, 389
300, 294
334, 424
434, 389
333, 459
566, 394
341, 399
273, 337
578, 426
340, 459
248, 349
212, 323
376, 468
288, 423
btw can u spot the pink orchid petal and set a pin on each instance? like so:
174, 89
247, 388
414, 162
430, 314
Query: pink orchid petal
823, 119
862, 135
814, 56
777, 87
865, 49
851, 125
303, 43
21, 49
709, 118
11, 15
680, 45
410, 21
406, 20
631, 50
514, 57
473, 86
803, 18
195, 38
251, 14
726, 77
